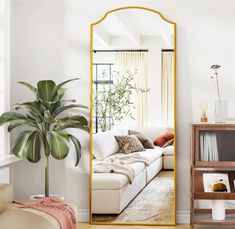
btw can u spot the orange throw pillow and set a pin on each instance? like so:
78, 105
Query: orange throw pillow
163, 138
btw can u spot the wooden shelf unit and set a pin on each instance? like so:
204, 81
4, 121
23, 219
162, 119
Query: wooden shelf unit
198, 168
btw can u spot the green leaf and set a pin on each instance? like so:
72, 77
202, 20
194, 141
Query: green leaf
33, 147
59, 144
68, 100
78, 147
78, 118
10, 116
73, 124
46, 145
19, 123
29, 86
61, 92
47, 93
20, 143
36, 109
65, 82
48, 117
63, 108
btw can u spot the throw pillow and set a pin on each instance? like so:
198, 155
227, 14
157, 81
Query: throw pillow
145, 140
168, 143
129, 144
163, 138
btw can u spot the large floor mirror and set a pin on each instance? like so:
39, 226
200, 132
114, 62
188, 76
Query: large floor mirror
133, 139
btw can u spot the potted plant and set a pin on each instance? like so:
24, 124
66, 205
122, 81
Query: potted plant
115, 102
46, 125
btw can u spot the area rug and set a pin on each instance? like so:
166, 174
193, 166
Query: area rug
154, 204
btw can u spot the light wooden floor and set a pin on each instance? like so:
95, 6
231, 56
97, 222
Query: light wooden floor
88, 226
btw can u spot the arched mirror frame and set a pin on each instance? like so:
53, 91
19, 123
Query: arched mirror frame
175, 138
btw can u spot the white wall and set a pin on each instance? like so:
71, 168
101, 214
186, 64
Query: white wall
51, 39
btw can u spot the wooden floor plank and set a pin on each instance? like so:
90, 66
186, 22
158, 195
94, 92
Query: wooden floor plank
180, 226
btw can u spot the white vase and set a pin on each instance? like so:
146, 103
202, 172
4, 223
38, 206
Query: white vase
221, 111
218, 209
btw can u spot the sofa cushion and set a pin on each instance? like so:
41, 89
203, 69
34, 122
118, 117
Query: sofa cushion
145, 140
104, 144
114, 181
25, 219
129, 144
151, 131
169, 150
6, 196
152, 154
163, 138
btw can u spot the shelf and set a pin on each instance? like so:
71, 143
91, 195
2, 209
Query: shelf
199, 187
225, 137
206, 218
214, 195
215, 164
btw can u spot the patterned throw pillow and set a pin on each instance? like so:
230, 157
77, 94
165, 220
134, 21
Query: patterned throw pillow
145, 140
129, 144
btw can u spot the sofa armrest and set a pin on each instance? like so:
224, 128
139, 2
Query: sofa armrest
6, 196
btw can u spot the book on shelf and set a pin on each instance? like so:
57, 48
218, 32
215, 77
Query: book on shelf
216, 182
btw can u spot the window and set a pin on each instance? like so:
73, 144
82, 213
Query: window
4, 70
102, 80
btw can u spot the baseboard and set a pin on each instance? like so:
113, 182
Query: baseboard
83, 215
183, 217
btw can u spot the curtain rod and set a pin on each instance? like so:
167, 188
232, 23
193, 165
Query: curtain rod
168, 50
122, 50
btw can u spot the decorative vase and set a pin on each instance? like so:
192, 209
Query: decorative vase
221, 111
204, 118
218, 209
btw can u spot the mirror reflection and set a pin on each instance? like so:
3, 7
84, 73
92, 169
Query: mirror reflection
133, 104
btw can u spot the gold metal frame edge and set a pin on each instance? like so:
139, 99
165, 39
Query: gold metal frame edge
175, 140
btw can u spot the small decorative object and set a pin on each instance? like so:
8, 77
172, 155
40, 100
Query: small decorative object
203, 108
221, 107
217, 182
46, 125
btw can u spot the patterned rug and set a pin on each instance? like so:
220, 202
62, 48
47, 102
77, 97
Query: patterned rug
154, 204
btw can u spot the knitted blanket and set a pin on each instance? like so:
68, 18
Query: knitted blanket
55, 207
120, 164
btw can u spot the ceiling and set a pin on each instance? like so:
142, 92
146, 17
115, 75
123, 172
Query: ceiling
131, 24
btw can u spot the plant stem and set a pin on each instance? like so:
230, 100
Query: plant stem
217, 86
47, 177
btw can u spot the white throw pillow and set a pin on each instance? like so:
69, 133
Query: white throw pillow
104, 144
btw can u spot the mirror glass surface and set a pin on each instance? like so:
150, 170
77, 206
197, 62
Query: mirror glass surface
133, 118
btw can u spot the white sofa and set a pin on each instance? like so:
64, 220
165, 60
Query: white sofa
111, 192
13, 217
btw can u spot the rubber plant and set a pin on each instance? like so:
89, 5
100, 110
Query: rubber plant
47, 125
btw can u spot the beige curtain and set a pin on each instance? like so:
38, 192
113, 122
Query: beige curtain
167, 89
135, 62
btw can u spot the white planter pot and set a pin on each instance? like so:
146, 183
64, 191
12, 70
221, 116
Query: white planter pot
218, 209
35, 197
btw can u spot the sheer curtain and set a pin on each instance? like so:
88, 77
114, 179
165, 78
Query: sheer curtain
135, 62
208, 147
167, 89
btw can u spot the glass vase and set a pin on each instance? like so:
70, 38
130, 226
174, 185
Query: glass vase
221, 111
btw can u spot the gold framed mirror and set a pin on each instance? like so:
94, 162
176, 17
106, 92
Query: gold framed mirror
133, 118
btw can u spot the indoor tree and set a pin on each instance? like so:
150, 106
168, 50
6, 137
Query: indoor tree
46, 124
115, 100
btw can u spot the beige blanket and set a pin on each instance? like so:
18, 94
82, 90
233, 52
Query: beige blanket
120, 164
